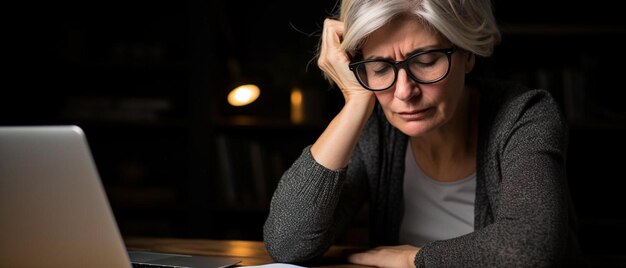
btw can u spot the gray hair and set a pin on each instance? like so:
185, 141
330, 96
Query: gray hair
469, 24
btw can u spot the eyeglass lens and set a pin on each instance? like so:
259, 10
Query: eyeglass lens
424, 68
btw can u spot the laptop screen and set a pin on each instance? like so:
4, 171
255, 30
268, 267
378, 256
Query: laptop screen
53, 209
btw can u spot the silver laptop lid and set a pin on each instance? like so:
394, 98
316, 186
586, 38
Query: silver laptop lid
53, 209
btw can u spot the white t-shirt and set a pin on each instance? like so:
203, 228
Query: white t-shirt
435, 210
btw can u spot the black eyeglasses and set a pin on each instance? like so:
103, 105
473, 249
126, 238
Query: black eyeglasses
425, 67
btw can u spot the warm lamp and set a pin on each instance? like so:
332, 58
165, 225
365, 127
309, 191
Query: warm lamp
243, 95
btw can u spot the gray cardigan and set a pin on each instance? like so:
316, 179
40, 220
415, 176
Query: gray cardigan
521, 205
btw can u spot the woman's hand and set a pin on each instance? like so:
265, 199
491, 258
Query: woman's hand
333, 149
388, 256
334, 62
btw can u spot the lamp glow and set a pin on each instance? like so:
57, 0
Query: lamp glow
297, 114
243, 95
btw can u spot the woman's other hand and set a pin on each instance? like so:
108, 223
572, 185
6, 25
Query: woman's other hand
387, 256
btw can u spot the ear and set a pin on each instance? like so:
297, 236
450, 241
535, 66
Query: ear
470, 60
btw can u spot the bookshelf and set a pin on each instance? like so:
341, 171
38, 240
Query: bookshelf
570, 61
146, 80
251, 146
128, 73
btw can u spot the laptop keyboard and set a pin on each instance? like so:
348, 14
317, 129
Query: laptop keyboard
149, 265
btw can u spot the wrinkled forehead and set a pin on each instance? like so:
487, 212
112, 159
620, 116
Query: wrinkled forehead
401, 35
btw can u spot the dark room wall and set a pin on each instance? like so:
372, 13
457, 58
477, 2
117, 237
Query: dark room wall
147, 81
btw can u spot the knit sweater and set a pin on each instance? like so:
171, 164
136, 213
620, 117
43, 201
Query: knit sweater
521, 204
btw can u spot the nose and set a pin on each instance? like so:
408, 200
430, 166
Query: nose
405, 88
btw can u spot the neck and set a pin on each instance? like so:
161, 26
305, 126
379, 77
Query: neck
448, 154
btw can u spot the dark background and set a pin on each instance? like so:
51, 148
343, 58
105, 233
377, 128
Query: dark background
147, 81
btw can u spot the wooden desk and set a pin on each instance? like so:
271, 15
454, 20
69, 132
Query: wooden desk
250, 252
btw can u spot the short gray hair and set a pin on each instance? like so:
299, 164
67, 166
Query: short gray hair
469, 24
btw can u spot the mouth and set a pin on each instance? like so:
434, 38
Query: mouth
415, 115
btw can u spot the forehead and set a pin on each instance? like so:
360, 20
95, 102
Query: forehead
402, 35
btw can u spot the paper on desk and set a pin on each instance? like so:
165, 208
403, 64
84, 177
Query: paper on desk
274, 265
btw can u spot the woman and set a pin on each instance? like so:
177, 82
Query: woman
457, 171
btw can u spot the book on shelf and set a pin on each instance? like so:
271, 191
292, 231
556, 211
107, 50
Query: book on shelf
574, 95
244, 168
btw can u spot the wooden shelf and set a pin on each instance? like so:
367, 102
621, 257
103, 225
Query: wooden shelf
246, 122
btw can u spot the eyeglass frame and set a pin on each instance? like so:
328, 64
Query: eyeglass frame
403, 64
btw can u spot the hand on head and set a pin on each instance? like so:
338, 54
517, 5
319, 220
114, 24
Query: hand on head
334, 62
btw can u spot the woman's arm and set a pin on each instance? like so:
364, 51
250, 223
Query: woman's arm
525, 182
336, 144
315, 199
311, 207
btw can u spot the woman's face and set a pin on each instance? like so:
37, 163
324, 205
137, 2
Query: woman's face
416, 109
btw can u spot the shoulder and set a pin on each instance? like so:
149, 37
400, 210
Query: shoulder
510, 109
503, 101
499, 94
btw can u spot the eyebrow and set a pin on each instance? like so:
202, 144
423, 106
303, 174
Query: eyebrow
407, 55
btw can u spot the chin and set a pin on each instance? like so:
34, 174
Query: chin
414, 129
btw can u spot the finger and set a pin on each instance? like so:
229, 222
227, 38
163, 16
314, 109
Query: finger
387, 256
331, 42
361, 258
367, 258
336, 29
333, 61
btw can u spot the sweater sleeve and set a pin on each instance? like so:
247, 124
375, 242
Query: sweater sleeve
524, 178
310, 208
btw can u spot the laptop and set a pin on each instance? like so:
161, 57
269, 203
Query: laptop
54, 211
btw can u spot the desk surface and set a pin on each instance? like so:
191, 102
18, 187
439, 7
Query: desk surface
250, 252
